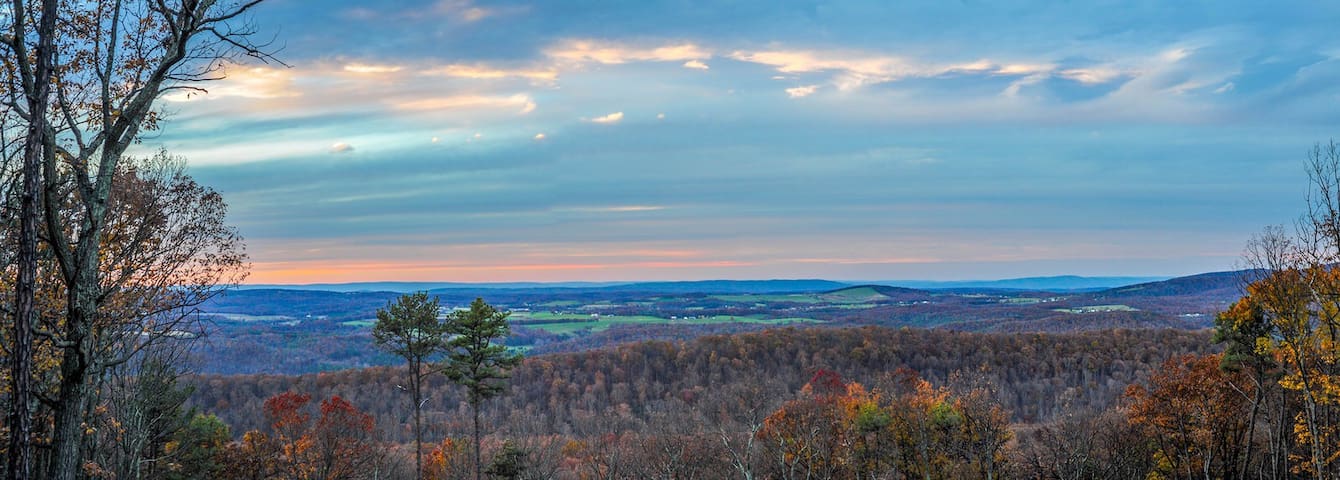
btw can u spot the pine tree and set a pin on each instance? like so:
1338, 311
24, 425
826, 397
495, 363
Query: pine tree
408, 327
474, 361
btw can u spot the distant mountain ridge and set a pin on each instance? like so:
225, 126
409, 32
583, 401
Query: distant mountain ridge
1059, 283
1228, 283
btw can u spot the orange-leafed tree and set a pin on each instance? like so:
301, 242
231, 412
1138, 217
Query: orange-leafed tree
290, 422
811, 436
1197, 417
255, 457
449, 460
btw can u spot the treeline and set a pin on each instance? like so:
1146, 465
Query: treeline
1040, 377
826, 403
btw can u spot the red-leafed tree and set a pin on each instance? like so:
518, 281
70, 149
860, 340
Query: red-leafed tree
339, 445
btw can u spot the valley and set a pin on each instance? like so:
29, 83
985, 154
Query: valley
291, 331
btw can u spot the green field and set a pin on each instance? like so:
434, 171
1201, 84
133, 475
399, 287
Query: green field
360, 323
854, 295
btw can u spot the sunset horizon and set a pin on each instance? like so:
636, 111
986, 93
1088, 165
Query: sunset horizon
461, 140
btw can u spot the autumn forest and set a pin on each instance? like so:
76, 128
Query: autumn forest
134, 348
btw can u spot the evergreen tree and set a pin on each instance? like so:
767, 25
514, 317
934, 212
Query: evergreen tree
475, 361
408, 327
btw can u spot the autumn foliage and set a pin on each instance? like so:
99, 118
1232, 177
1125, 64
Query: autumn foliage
837, 429
338, 445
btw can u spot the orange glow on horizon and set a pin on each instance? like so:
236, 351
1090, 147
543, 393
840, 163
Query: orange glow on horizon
323, 272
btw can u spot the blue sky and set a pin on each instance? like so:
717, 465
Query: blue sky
465, 140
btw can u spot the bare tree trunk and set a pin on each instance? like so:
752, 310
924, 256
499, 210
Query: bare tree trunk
67, 436
415, 383
34, 152
478, 468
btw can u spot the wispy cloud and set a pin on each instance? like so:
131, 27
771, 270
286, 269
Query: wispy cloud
485, 72
369, 68
523, 103
607, 119
1092, 75
245, 82
853, 69
618, 209
696, 64
593, 51
463, 10
798, 92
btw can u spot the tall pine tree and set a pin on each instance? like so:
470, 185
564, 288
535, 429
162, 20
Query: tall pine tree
475, 361
408, 327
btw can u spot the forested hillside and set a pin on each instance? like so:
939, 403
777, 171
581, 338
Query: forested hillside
1040, 376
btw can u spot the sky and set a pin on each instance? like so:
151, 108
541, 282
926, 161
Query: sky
479, 141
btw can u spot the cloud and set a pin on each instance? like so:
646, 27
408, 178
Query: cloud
1092, 75
484, 72
591, 51
466, 102
367, 68
696, 64
341, 147
798, 92
854, 69
611, 118
466, 10
1015, 86
244, 82
617, 209
1018, 69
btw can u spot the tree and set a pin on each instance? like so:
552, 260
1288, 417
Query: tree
337, 446
813, 436
342, 443
1287, 327
81, 113
475, 361
35, 150
198, 449
142, 412
408, 327
1195, 416
168, 248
